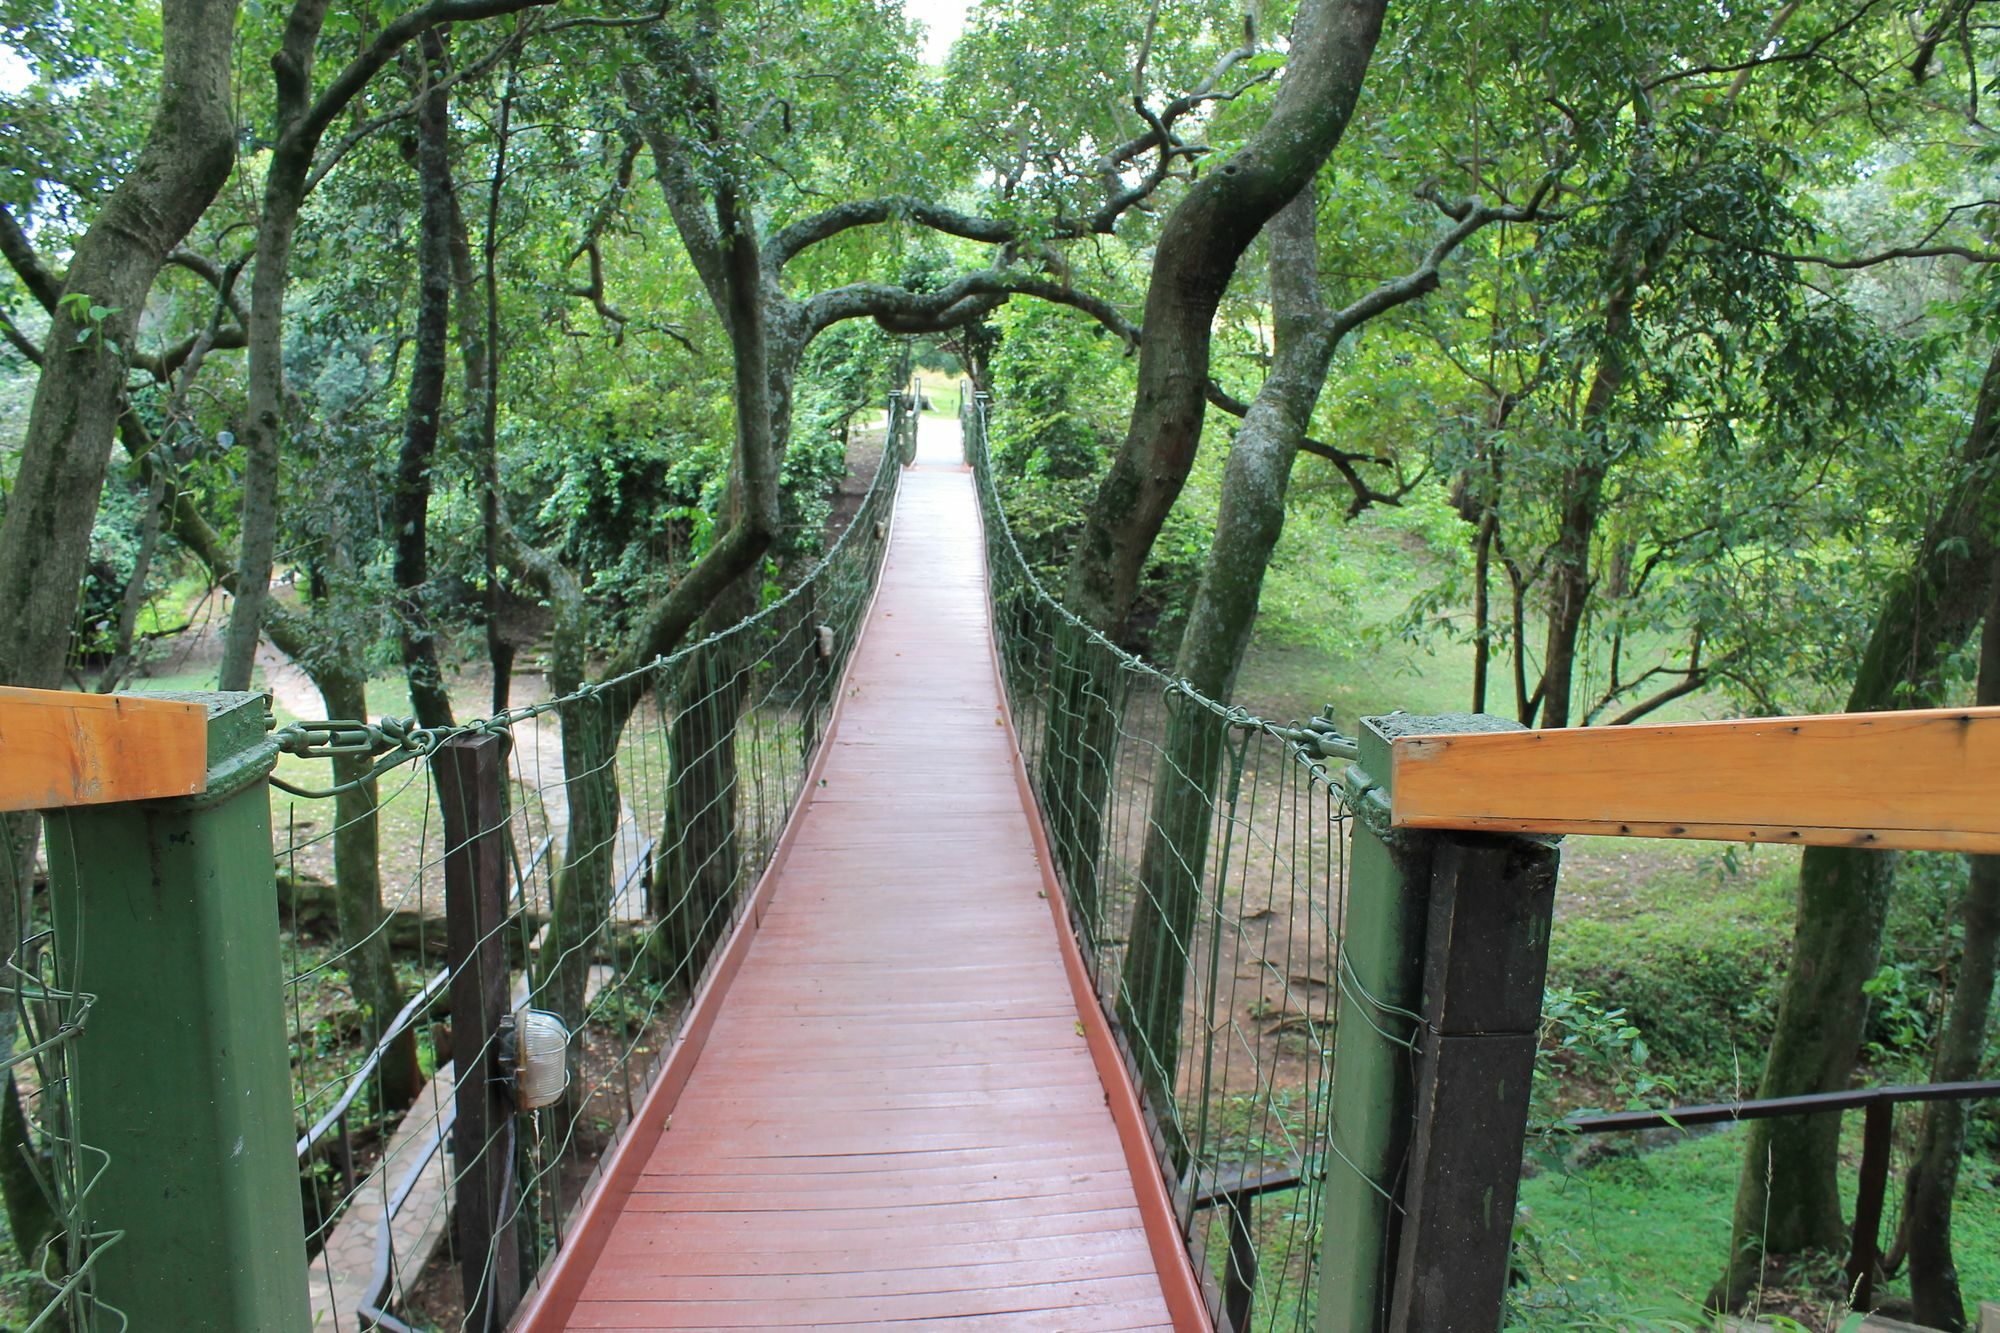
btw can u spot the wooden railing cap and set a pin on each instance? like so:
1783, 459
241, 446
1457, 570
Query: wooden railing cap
60, 748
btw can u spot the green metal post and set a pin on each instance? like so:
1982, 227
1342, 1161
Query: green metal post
1380, 973
166, 913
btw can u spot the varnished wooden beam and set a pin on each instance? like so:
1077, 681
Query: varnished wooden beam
1921, 779
59, 748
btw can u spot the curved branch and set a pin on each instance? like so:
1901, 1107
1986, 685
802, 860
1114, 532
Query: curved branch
18, 340
1471, 218
376, 123
1119, 197
398, 33
1890, 255
1807, 52
965, 297
823, 226
20, 254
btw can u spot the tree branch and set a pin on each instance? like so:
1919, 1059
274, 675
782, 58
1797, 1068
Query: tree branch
18, 340
399, 32
1969, 255
43, 285
403, 111
1119, 197
1807, 52
965, 297
1471, 218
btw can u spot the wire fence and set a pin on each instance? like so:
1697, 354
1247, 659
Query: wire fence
1204, 855
636, 814
41, 1019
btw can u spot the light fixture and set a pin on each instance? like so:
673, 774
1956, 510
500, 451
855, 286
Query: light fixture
538, 1060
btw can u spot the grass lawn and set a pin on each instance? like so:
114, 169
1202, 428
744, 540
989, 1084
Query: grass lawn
1635, 1240
1335, 625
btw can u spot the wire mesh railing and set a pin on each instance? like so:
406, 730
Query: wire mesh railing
54, 1170
1204, 854
636, 815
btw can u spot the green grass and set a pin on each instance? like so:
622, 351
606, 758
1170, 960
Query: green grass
1335, 626
1638, 1239
1690, 940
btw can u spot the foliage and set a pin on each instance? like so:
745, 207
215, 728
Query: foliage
1059, 383
1723, 453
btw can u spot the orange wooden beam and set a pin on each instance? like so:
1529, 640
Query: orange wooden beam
59, 748
1922, 779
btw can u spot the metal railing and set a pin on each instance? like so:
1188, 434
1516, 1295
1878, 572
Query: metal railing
1878, 1106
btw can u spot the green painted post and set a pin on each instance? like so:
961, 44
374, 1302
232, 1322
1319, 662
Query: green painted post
166, 913
1380, 973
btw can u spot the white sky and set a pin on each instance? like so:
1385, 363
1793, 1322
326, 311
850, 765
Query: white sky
943, 20
14, 71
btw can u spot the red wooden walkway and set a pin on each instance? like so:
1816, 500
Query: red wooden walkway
897, 1103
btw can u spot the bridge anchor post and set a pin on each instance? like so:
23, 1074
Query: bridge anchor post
165, 913
1444, 949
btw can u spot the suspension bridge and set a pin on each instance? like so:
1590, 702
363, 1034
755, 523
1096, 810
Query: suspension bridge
928, 959
874, 1132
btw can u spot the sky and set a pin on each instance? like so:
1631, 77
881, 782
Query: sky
943, 20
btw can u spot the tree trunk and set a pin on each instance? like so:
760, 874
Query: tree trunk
482, 391
263, 412
357, 879
700, 868
1482, 601
1583, 493
134, 598
1249, 521
409, 513
1204, 236
1087, 695
1787, 1199
79, 396
1961, 1047
583, 886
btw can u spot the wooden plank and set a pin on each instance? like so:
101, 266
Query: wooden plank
59, 748
1485, 958
1916, 780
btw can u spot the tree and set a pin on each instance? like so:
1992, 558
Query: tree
409, 507
1787, 1198
302, 117
1961, 1047
1250, 518
45, 535
1204, 236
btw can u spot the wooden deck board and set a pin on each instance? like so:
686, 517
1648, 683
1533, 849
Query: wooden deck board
896, 1115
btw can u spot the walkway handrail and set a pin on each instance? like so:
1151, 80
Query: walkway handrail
169, 847
1202, 853
1477, 800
